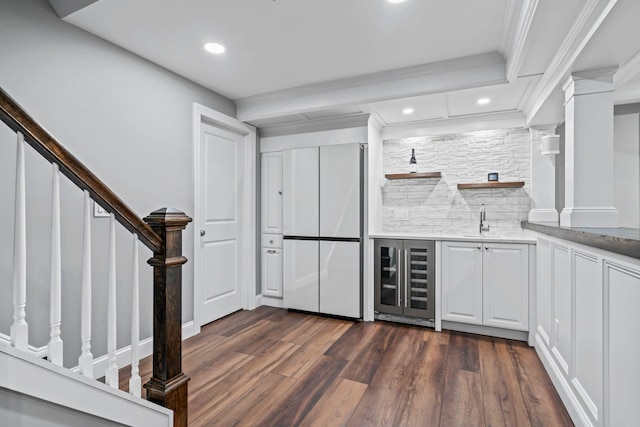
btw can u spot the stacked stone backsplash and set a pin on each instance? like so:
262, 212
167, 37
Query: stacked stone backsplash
435, 205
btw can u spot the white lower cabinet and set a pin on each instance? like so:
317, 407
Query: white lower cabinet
272, 265
486, 284
587, 318
272, 272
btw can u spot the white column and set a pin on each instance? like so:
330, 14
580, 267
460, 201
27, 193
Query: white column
543, 178
589, 151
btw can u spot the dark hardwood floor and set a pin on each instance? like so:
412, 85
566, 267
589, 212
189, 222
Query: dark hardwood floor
272, 367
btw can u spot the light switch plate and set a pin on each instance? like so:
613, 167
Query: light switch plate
99, 211
400, 214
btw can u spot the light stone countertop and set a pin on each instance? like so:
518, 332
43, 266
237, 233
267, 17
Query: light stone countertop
497, 237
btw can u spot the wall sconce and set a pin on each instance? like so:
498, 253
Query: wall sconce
550, 145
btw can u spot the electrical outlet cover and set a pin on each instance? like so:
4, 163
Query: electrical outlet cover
99, 211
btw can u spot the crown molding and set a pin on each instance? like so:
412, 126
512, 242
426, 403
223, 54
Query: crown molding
627, 71
584, 27
520, 43
316, 125
461, 73
474, 122
511, 14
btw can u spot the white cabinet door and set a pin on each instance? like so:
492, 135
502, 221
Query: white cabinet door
272, 272
340, 278
271, 189
301, 192
505, 271
301, 287
340, 190
462, 282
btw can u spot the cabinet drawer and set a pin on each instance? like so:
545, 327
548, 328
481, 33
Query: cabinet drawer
271, 241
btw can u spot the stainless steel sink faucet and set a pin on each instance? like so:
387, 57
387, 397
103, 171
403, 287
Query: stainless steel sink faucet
483, 218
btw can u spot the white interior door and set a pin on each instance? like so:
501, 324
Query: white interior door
221, 195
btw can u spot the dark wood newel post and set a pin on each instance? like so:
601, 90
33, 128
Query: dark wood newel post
168, 385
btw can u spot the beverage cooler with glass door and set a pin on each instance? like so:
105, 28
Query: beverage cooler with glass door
405, 281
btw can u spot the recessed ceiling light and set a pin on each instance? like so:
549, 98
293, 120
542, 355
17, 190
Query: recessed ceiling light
395, 1
407, 111
484, 101
214, 48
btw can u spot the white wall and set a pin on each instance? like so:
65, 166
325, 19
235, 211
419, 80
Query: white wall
626, 168
125, 118
436, 205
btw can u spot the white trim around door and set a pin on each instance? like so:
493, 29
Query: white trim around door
202, 114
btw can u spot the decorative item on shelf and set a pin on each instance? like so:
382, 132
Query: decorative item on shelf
492, 176
550, 145
413, 165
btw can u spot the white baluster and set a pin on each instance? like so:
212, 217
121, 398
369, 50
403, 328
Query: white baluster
55, 303
85, 362
19, 329
135, 383
111, 374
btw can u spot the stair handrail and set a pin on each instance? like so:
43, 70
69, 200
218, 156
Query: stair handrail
14, 116
160, 231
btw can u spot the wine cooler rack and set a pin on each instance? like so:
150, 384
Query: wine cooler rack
405, 278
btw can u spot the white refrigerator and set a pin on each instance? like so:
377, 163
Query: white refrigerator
322, 224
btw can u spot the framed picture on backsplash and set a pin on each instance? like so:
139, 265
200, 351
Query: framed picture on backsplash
492, 176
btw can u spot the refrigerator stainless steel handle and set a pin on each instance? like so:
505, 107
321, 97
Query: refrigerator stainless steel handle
407, 277
398, 278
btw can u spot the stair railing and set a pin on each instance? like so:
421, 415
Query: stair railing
160, 231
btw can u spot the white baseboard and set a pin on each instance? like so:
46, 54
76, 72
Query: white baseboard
123, 355
39, 352
568, 397
271, 301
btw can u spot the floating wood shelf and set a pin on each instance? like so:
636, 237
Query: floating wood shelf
413, 175
493, 184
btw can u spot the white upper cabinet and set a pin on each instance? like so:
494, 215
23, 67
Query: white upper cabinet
301, 192
340, 190
272, 193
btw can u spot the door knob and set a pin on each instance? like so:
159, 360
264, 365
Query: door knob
202, 232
